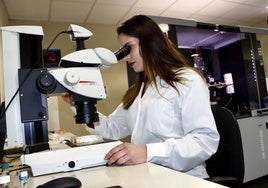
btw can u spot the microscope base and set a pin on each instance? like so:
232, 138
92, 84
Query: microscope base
70, 159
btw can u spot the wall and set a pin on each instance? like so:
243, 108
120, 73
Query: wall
60, 114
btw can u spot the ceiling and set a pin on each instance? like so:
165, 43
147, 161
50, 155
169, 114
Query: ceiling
226, 12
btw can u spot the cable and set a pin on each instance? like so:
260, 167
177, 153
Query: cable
231, 97
67, 32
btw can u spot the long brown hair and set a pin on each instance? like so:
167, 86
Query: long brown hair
160, 56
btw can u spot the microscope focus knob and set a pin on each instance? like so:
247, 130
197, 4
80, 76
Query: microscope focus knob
46, 83
72, 78
71, 164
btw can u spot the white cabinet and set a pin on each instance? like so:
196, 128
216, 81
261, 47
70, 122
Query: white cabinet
254, 133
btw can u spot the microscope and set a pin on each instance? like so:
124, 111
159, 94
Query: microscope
28, 84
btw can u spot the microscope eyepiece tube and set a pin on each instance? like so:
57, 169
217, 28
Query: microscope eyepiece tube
122, 52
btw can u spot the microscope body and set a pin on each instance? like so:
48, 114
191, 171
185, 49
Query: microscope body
80, 77
28, 83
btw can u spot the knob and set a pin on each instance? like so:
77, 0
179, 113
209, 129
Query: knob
72, 78
46, 83
71, 164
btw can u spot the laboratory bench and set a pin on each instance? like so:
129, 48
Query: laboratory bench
102, 176
142, 175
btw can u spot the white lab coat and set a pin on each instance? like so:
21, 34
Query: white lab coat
178, 129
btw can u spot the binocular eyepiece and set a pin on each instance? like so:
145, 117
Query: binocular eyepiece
122, 52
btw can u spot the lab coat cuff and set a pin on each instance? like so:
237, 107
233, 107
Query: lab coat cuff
155, 150
88, 129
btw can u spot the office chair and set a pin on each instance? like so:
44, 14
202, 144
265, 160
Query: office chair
226, 166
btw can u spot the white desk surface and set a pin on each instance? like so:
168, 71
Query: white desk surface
143, 175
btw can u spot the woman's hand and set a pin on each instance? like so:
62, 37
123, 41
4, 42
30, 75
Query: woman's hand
127, 154
67, 98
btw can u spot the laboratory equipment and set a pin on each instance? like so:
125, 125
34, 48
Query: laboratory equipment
28, 83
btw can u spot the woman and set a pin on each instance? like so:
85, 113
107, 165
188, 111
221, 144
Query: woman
167, 111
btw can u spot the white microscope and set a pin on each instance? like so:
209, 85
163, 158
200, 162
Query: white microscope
28, 83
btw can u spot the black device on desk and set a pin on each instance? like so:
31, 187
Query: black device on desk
63, 182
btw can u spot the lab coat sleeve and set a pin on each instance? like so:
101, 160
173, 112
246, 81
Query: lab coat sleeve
200, 138
112, 127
